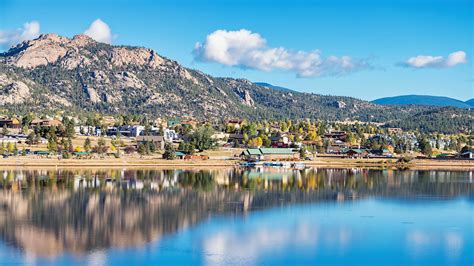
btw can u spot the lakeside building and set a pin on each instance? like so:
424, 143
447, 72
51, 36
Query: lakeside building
467, 155
269, 154
357, 153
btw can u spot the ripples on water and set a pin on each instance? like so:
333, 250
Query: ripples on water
97, 215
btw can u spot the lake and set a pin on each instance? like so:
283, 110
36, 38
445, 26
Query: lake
266, 216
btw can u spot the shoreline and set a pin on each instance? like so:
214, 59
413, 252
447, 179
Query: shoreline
416, 164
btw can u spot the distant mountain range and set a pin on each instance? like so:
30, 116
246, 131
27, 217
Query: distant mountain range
470, 102
424, 100
268, 85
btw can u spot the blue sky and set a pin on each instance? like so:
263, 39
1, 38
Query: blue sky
365, 49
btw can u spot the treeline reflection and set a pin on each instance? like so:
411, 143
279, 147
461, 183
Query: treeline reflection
49, 212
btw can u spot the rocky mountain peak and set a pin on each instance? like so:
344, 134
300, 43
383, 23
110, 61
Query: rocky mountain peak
49, 48
82, 40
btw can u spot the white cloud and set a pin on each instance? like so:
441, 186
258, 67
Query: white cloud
30, 30
99, 31
428, 61
456, 58
246, 49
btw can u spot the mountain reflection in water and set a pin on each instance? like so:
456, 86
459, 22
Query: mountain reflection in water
51, 212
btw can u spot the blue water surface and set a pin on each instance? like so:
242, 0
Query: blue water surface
368, 232
230, 217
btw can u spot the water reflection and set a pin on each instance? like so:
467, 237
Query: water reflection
51, 212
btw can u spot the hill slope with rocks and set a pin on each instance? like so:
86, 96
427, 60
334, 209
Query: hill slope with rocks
79, 74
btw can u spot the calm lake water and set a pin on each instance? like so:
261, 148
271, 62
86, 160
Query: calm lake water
265, 216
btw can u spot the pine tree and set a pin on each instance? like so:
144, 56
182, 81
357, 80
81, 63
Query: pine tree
87, 145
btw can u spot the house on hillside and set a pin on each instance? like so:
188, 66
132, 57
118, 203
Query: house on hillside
10, 123
88, 130
45, 123
173, 122
170, 135
269, 154
190, 122
336, 147
280, 141
235, 123
336, 135
236, 138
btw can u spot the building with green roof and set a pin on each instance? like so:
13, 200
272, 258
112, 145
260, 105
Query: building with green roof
269, 154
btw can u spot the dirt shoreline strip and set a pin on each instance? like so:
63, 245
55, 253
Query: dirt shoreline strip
421, 164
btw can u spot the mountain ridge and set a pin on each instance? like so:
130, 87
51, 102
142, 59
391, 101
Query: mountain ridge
275, 87
428, 100
470, 102
78, 74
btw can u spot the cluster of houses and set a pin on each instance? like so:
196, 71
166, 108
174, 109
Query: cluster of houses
280, 148
14, 123
16, 136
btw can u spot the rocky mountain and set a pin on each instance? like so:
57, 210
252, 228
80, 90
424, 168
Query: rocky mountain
422, 100
54, 73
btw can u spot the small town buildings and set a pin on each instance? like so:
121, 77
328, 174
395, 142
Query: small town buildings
10, 123
382, 152
336, 135
45, 123
269, 154
191, 123
158, 141
170, 135
336, 147
173, 122
236, 138
220, 137
127, 131
280, 141
467, 155
88, 130
13, 138
180, 155
235, 123
357, 153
